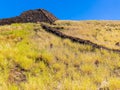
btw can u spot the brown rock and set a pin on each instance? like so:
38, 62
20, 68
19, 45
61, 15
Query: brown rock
38, 15
117, 44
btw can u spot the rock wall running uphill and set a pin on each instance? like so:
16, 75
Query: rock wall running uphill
38, 15
74, 39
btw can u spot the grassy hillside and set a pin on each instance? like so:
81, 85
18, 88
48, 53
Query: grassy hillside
33, 59
101, 32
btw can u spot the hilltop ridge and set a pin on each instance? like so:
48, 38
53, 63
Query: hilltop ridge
38, 15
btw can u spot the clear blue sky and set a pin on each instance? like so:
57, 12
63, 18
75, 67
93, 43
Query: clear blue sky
65, 9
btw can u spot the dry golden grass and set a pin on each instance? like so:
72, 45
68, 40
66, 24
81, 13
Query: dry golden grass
52, 63
101, 32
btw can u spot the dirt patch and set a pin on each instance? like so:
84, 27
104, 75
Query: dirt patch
17, 75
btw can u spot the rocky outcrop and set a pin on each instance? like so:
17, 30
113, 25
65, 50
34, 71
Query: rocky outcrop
38, 15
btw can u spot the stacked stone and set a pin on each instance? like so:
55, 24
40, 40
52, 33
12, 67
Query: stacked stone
39, 15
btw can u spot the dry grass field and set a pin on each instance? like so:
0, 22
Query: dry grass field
33, 59
105, 33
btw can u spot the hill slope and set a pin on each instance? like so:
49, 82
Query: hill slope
104, 33
33, 59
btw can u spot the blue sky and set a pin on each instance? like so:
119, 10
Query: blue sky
65, 9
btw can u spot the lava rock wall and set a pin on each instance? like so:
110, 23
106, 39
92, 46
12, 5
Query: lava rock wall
78, 40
